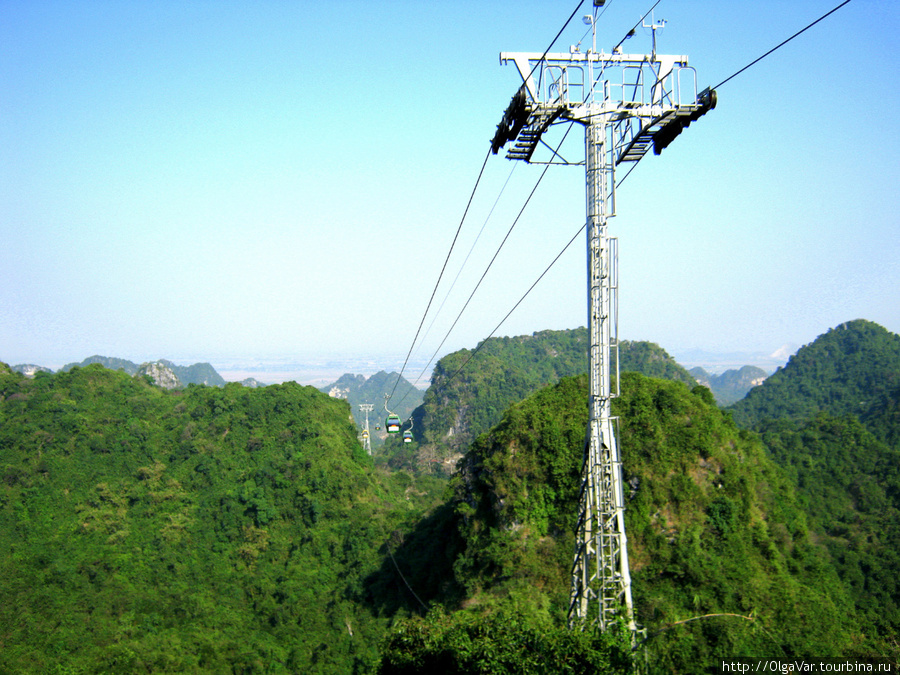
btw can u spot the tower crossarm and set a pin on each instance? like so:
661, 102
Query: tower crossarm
573, 78
634, 135
650, 99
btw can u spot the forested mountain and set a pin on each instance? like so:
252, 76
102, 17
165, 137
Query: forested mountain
651, 360
714, 528
30, 369
356, 389
202, 530
831, 417
468, 394
732, 385
853, 369
849, 484
111, 362
198, 373
229, 529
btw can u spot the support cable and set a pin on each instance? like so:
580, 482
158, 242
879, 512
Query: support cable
779, 46
496, 253
440, 276
478, 180
754, 62
627, 173
397, 567
553, 42
596, 16
469, 254
509, 313
634, 28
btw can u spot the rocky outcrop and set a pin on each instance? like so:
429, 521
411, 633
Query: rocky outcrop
161, 374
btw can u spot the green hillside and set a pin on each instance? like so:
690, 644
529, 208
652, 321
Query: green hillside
468, 394
714, 528
228, 529
207, 530
849, 484
853, 369
831, 418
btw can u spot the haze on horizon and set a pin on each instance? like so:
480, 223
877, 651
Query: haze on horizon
229, 182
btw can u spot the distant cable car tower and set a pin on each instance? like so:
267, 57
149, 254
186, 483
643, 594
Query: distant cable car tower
626, 103
366, 408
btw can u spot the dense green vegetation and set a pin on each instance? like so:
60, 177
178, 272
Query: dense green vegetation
831, 417
208, 530
849, 482
651, 360
464, 402
714, 528
244, 530
500, 642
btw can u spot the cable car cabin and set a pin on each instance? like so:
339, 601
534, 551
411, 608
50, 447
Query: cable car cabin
407, 437
365, 433
392, 424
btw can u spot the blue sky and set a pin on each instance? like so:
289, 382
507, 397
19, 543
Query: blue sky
238, 181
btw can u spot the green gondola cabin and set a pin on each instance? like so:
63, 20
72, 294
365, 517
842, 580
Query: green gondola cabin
392, 424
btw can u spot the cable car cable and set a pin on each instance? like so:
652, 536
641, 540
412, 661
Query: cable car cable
634, 28
406, 361
469, 254
726, 80
446, 260
509, 313
494, 258
752, 63
477, 181
553, 42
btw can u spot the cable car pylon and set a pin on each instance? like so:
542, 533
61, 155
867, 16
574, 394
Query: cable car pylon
627, 103
366, 408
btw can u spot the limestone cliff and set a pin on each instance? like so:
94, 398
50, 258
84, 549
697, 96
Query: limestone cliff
161, 374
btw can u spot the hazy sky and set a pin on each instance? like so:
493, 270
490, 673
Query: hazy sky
275, 179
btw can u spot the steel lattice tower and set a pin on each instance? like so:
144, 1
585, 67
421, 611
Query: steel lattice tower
367, 444
627, 103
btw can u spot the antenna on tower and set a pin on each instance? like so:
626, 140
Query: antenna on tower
653, 26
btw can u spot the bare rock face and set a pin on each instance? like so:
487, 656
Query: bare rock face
30, 370
161, 374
